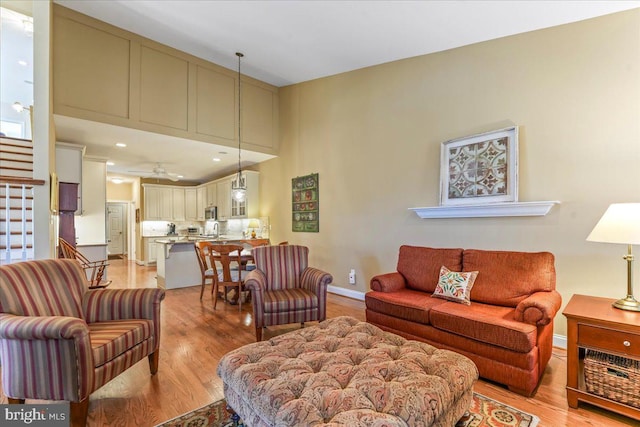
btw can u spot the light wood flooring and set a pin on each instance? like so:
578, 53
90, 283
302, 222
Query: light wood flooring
194, 338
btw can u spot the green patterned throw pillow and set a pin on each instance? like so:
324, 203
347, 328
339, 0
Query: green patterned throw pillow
455, 286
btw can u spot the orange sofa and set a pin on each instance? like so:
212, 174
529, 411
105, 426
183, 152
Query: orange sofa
507, 330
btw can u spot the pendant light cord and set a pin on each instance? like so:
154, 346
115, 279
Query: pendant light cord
240, 55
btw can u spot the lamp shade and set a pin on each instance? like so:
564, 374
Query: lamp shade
619, 224
253, 223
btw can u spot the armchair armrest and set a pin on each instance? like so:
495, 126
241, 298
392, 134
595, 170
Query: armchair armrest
315, 280
539, 308
57, 345
14, 327
122, 304
389, 282
256, 281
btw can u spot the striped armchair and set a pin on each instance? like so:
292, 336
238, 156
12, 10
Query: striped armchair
284, 289
61, 341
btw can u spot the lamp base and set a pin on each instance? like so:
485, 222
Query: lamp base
628, 303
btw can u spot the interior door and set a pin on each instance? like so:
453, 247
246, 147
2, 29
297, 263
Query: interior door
116, 226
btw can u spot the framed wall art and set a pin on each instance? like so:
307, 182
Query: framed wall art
480, 169
305, 203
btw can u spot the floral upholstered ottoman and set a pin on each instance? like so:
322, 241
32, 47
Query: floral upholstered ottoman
346, 372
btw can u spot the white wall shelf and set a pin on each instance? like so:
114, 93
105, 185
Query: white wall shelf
486, 211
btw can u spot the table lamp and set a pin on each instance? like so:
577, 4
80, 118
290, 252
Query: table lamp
253, 223
621, 224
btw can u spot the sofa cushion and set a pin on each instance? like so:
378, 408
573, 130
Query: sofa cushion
420, 266
486, 323
506, 277
404, 304
455, 286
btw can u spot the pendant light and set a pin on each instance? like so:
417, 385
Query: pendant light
239, 185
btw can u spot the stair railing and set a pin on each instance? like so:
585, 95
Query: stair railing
23, 184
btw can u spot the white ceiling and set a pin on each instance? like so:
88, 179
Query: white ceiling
287, 42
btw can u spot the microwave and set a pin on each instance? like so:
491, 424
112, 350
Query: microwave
211, 212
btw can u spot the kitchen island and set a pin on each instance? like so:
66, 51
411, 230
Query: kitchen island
177, 264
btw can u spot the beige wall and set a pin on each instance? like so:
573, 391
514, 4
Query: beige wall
119, 192
374, 137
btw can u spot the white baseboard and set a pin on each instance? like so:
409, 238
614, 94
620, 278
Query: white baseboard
560, 341
346, 292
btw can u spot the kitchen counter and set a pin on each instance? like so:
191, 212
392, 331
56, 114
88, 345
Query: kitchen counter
177, 265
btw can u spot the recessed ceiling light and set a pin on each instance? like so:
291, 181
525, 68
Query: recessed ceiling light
110, 164
216, 159
120, 144
117, 180
23, 63
180, 176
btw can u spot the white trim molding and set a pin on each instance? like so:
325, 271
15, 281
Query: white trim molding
560, 341
488, 210
346, 292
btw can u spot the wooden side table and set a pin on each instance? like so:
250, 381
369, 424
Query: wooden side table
592, 323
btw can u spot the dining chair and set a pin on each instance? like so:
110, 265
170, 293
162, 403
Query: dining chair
94, 270
206, 269
284, 289
60, 340
228, 277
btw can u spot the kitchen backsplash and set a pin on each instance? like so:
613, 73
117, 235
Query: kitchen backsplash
232, 228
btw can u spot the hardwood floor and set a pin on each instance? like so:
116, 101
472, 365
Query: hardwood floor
194, 338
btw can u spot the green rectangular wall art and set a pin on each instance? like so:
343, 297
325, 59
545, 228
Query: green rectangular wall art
305, 203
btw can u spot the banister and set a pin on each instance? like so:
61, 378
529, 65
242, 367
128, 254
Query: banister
20, 181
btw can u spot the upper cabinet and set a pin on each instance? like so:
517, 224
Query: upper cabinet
158, 203
106, 74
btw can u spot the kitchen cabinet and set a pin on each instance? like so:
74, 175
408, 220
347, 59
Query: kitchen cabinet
250, 206
201, 202
228, 207
150, 250
178, 207
212, 194
158, 203
191, 204
223, 197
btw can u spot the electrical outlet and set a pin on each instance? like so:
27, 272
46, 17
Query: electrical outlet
352, 277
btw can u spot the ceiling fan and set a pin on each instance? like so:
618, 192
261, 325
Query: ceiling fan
159, 172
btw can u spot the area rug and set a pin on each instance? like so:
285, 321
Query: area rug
485, 412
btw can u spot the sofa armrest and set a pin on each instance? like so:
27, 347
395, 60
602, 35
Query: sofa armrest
389, 282
539, 308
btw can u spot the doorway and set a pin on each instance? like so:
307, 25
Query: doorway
116, 229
